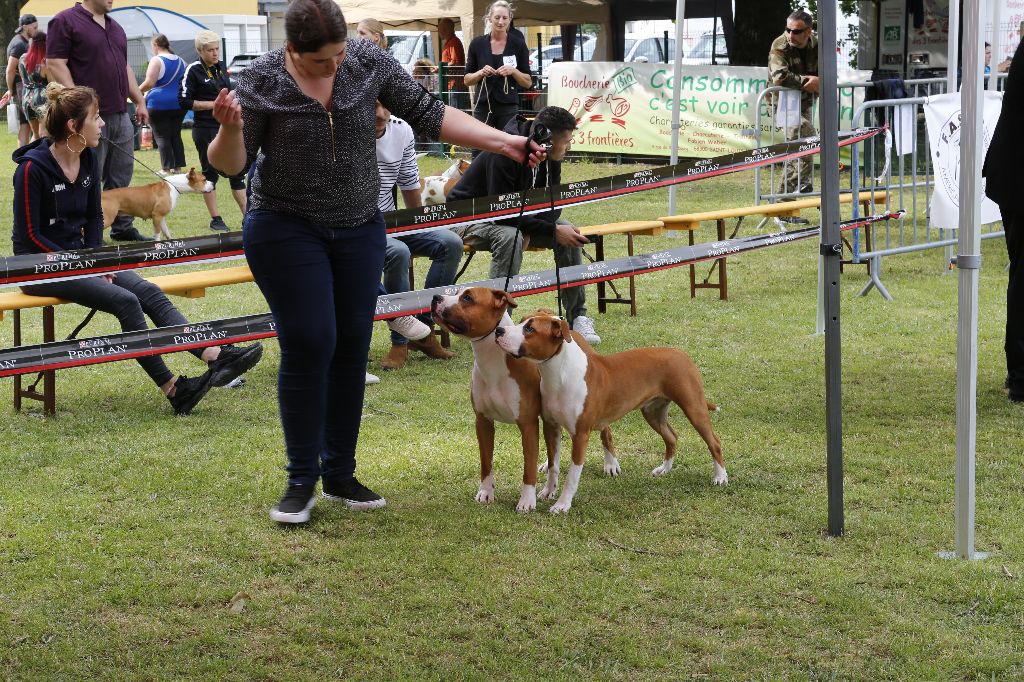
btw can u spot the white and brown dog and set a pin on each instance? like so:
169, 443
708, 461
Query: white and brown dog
504, 389
436, 187
585, 392
154, 201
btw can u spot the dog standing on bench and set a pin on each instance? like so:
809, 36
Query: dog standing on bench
154, 201
585, 392
504, 389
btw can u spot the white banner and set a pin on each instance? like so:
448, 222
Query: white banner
627, 107
942, 114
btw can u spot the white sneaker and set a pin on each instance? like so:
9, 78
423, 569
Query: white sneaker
584, 326
409, 327
372, 379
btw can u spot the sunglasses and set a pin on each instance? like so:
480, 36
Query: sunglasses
795, 31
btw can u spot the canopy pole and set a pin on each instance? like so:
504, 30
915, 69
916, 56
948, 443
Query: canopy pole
677, 70
968, 263
831, 252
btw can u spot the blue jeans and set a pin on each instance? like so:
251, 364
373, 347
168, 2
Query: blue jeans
443, 247
321, 283
117, 165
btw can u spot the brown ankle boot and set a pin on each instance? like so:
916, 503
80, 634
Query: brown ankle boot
431, 347
396, 357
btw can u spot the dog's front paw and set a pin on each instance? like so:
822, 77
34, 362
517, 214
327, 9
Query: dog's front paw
561, 507
665, 467
527, 499
550, 488
721, 477
611, 465
485, 494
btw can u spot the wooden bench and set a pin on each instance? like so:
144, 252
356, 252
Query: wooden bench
691, 222
185, 284
596, 234
630, 228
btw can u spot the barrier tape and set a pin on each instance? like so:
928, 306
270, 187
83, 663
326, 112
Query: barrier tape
115, 347
64, 265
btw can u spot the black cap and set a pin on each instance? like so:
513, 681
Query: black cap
27, 19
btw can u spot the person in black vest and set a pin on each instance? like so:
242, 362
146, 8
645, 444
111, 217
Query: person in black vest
491, 174
203, 80
1005, 185
498, 63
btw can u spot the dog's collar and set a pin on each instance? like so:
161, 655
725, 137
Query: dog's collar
490, 333
557, 351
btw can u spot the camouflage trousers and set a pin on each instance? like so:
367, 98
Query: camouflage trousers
798, 176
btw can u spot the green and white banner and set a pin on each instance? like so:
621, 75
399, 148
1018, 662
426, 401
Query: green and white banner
626, 108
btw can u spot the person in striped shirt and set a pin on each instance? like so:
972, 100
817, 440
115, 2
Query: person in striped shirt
396, 162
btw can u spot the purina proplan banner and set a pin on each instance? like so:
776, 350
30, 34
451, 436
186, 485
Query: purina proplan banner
113, 347
50, 267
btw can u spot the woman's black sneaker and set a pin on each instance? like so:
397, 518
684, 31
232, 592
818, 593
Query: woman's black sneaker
353, 493
294, 505
233, 362
188, 392
218, 224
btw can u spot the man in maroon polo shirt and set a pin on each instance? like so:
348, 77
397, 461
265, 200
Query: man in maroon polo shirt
84, 46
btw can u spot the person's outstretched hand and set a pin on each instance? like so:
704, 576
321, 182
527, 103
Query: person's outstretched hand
227, 110
516, 149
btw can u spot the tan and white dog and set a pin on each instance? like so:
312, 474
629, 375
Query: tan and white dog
504, 389
436, 187
585, 392
154, 201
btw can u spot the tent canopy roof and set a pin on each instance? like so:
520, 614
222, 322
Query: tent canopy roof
144, 22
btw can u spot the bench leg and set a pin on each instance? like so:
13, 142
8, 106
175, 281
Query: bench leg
49, 395
49, 376
693, 269
602, 306
723, 274
17, 379
632, 280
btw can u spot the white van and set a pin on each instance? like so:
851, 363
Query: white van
408, 46
646, 48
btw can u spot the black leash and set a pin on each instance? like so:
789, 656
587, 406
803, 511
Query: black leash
80, 327
136, 159
541, 135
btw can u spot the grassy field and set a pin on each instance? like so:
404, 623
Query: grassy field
136, 545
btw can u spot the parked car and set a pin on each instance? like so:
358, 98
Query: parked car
408, 46
649, 49
553, 53
239, 63
709, 49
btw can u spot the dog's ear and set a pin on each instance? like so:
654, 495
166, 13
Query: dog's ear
560, 329
563, 328
504, 299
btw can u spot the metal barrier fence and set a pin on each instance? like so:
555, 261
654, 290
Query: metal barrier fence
898, 164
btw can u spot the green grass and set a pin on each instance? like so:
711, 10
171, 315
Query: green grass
125, 532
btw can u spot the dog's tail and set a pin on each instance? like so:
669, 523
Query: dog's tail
712, 407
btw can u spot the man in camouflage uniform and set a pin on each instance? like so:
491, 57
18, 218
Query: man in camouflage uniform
793, 63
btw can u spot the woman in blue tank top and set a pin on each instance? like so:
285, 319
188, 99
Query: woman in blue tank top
161, 87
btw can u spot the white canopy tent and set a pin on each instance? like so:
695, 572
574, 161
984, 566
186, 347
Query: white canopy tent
469, 15
142, 23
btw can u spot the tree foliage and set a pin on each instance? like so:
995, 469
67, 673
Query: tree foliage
10, 10
757, 24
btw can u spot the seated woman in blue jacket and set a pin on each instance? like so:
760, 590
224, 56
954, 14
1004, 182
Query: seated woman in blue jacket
57, 208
